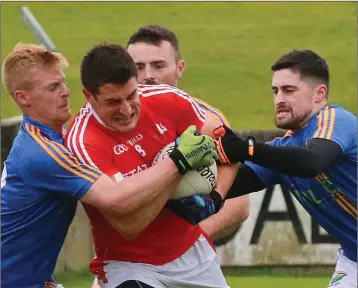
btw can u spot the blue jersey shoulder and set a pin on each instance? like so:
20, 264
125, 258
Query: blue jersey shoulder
336, 124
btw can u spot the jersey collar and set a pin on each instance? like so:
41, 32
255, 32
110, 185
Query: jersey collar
45, 130
319, 111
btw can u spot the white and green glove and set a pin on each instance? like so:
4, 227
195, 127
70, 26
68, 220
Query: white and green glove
193, 150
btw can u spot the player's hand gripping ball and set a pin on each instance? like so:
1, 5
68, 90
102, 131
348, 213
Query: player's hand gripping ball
199, 181
193, 150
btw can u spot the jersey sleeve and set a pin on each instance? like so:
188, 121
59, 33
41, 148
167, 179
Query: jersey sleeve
50, 166
93, 151
213, 111
338, 125
268, 176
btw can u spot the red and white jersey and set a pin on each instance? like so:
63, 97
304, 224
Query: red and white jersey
165, 113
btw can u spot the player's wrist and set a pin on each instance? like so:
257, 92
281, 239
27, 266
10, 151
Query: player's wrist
217, 199
233, 149
255, 150
179, 160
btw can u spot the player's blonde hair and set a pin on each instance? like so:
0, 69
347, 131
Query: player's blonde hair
18, 66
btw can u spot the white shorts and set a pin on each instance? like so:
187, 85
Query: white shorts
345, 273
198, 267
52, 285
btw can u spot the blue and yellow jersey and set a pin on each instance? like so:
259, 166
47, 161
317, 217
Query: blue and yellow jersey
40, 185
331, 197
213, 111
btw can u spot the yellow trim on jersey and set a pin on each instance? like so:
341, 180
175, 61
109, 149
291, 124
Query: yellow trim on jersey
66, 158
323, 176
342, 200
287, 134
325, 123
346, 205
70, 155
319, 177
214, 111
31, 131
319, 125
328, 115
331, 124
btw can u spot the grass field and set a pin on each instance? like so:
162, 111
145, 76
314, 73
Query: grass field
85, 280
228, 47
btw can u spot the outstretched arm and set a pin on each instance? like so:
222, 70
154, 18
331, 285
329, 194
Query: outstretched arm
305, 162
246, 182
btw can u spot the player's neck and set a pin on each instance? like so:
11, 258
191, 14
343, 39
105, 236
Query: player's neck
318, 107
55, 126
315, 110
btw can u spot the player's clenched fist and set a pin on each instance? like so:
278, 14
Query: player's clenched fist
232, 148
193, 150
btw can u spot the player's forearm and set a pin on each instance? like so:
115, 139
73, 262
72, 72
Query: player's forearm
133, 192
233, 213
141, 189
246, 182
305, 162
132, 225
226, 176
228, 219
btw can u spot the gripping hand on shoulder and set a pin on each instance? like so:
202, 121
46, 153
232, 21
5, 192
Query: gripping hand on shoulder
193, 150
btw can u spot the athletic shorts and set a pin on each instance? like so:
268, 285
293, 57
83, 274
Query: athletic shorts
198, 267
345, 273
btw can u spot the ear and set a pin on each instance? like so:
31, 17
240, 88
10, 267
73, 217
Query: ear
22, 98
89, 96
180, 68
321, 94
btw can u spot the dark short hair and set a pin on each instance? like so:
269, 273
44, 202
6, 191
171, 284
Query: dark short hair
106, 64
155, 34
307, 63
